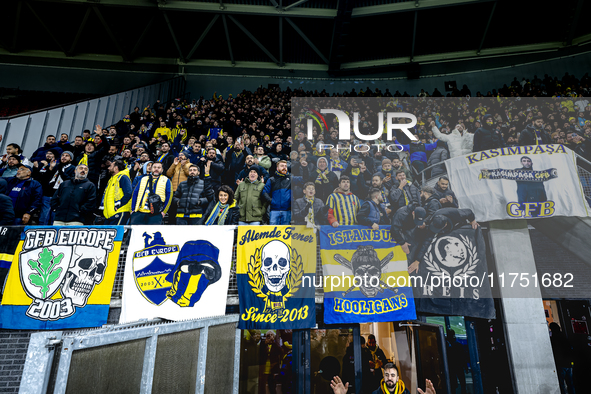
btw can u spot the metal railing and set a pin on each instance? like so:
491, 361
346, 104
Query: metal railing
136, 357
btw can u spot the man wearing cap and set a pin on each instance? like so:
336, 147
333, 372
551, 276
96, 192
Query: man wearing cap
373, 212
534, 133
446, 219
249, 163
74, 200
404, 220
485, 137
26, 194
13, 162
248, 198
429, 200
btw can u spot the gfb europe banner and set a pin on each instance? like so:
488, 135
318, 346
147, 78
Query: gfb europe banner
10, 236
529, 182
365, 276
61, 277
276, 267
177, 274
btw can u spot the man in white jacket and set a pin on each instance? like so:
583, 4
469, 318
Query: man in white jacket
459, 141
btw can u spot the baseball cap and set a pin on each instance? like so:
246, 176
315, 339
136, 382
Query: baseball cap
438, 224
420, 215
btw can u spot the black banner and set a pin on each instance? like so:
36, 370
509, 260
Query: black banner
455, 276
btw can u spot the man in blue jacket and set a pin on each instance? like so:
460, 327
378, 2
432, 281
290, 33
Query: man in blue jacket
277, 192
26, 195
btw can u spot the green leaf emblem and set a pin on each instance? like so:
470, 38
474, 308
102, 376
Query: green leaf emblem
47, 273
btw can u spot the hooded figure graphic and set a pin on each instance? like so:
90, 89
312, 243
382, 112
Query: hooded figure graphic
196, 268
530, 191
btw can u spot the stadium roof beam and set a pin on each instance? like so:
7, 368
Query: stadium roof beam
79, 32
17, 19
198, 6
55, 40
228, 40
340, 34
249, 34
492, 11
202, 37
407, 6
461, 55
296, 4
305, 38
575, 22
414, 36
176, 42
110, 33
276, 5
141, 38
281, 64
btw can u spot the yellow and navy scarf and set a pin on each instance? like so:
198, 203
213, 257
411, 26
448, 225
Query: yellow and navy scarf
219, 213
322, 176
399, 389
84, 160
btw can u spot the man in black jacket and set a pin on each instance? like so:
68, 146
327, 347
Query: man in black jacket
403, 193
405, 220
211, 166
373, 212
307, 210
93, 156
6, 208
74, 200
429, 200
486, 137
192, 197
535, 134
446, 219
446, 197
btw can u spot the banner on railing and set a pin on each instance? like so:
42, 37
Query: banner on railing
276, 268
534, 181
365, 276
61, 277
454, 275
176, 274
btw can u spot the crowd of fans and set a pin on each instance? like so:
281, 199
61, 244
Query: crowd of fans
233, 161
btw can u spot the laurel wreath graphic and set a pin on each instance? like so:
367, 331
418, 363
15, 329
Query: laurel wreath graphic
294, 278
468, 269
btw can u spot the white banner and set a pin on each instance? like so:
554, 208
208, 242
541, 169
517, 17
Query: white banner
518, 182
177, 272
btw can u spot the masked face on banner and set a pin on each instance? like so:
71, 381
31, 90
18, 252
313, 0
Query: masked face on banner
273, 271
173, 280
62, 277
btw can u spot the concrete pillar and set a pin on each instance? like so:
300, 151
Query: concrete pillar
528, 342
